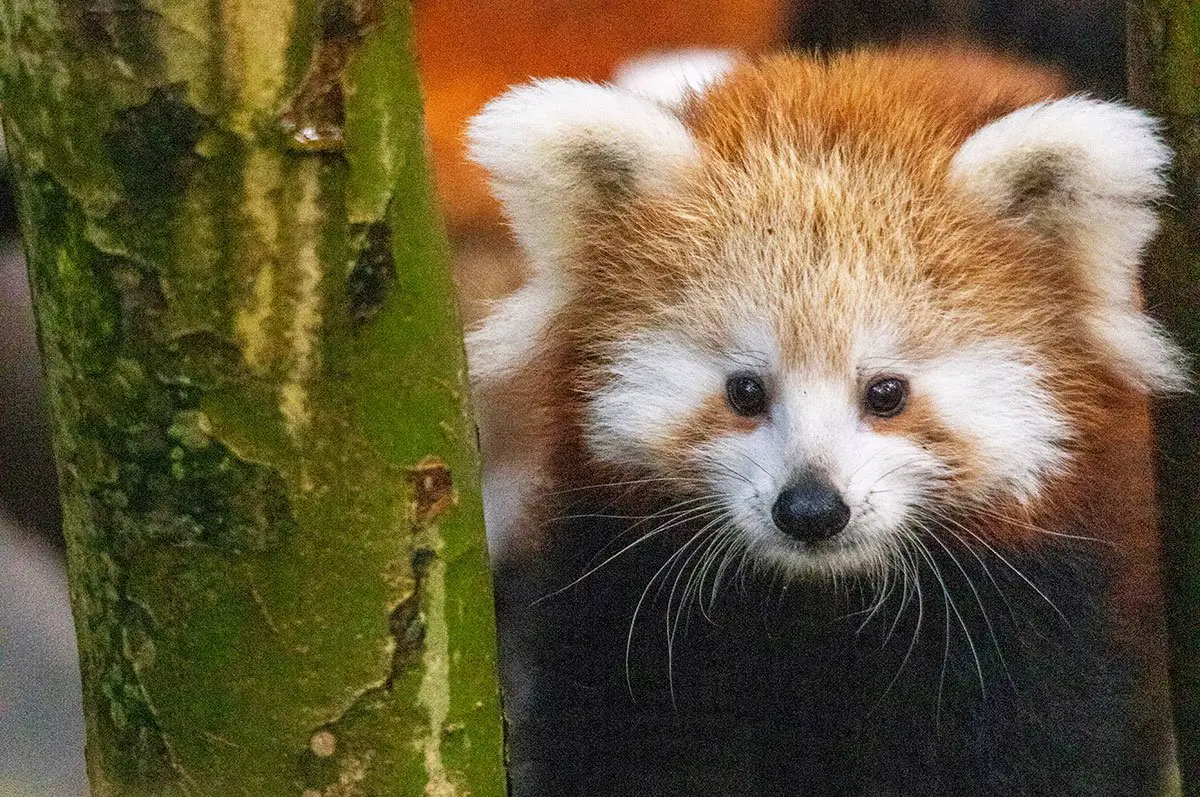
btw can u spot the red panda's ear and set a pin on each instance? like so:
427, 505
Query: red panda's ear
559, 148
1087, 173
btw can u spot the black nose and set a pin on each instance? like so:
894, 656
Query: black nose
810, 510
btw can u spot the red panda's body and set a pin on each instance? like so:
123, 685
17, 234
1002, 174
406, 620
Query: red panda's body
837, 338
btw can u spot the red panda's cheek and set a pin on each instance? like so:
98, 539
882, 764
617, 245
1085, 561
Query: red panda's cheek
645, 398
987, 412
919, 423
713, 419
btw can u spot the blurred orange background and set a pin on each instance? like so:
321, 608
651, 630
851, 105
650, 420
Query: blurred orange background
471, 51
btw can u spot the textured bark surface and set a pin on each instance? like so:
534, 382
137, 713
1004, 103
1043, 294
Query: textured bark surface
275, 543
1164, 71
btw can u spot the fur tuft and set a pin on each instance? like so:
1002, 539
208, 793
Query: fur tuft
669, 78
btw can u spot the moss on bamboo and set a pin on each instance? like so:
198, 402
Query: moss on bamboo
1164, 60
251, 350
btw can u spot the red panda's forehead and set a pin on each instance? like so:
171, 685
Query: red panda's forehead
822, 209
915, 102
832, 255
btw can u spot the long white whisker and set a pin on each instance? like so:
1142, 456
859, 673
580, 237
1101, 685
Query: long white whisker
758, 465
949, 524
695, 583
727, 558
1020, 574
907, 574
982, 609
1028, 526
883, 591
679, 507
673, 626
641, 600
626, 483
908, 542
923, 551
691, 514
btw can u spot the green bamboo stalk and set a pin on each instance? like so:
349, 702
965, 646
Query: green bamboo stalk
271, 496
1164, 76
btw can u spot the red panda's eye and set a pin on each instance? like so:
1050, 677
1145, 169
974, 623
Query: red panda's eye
886, 396
746, 395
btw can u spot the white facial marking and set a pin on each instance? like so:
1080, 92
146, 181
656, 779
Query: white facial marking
993, 398
815, 424
988, 396
657, 382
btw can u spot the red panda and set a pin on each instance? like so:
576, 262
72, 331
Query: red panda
819, 435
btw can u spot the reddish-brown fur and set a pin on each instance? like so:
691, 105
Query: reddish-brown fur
918, 108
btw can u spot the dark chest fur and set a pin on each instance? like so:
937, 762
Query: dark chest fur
975, 684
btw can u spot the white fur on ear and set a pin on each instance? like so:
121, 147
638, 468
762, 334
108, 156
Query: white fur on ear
1088, 172
557, 147
668, 77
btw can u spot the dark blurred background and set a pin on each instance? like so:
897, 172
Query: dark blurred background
470, 50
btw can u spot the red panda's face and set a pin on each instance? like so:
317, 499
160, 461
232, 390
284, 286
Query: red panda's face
828, 310
801, 349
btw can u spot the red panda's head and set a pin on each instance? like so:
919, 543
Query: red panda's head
841, 298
